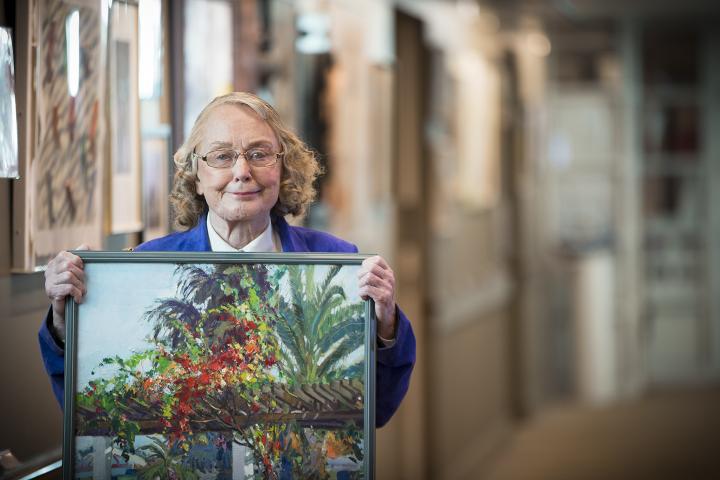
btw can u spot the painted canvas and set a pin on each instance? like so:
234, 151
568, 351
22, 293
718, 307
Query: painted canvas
66, 172
8, 114
242, 366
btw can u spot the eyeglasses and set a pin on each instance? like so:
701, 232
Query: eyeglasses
227, 157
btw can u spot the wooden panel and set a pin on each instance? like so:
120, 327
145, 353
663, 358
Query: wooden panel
32, 419
469, 396
410, 116
24, 61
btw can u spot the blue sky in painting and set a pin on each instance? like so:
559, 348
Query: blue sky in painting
113, 310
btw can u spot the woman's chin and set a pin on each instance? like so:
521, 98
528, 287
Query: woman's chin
243, 214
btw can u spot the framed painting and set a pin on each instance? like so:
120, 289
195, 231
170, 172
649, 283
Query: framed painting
61, 199
125, 166
214, 365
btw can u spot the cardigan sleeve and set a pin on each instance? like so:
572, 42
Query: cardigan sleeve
394, 366
53, 356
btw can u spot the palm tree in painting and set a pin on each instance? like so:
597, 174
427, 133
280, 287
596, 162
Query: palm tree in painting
319, 330
205, 290
164, 462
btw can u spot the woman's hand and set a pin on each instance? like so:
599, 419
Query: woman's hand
377, 281
64, 276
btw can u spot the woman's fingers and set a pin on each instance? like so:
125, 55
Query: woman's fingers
59, 292
376, 280
380, 295
62, 262
375, 264
375, 272
378, 283
378, 273
71, 278
65, 276
77, 272
378, 267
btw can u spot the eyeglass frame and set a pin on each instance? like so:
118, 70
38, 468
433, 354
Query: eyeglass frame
238, 154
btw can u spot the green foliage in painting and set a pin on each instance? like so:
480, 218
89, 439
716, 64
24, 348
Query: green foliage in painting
220, 347
318, 329
164, 462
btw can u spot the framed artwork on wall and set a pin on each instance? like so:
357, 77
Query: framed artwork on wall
125, 166
25, 65
156, 167
238, 365
207, 55
63, 190
8, 113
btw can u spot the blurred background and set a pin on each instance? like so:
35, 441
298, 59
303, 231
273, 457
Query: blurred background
541, 174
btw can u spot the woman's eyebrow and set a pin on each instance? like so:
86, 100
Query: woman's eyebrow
221, 144
251, 144
258, 143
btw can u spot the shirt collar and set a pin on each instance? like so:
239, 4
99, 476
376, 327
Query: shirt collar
265, 242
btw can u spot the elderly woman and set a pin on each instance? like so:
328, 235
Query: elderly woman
237, 175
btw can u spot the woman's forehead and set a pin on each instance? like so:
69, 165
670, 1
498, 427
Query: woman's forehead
236, 124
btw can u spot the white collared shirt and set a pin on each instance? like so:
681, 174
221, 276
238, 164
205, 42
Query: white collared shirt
265, 242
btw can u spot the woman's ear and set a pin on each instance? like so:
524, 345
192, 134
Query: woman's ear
196, 169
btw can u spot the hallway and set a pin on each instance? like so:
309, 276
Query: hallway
665, 435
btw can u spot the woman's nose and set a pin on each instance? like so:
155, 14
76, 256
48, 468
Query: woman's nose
241, 169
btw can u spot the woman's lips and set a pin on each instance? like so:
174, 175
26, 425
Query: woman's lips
244, 194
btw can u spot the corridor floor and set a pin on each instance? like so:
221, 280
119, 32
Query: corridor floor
662, 436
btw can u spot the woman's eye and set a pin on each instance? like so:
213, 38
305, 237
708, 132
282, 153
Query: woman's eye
223, 157
257, 155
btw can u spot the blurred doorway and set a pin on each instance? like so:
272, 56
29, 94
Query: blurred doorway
412, 267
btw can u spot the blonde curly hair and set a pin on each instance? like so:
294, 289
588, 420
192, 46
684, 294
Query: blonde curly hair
300, 167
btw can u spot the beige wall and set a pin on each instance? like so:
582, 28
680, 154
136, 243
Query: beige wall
30, 418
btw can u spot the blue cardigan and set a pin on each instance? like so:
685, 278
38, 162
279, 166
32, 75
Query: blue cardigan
394, 364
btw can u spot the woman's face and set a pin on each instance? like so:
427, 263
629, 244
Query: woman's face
238, 194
